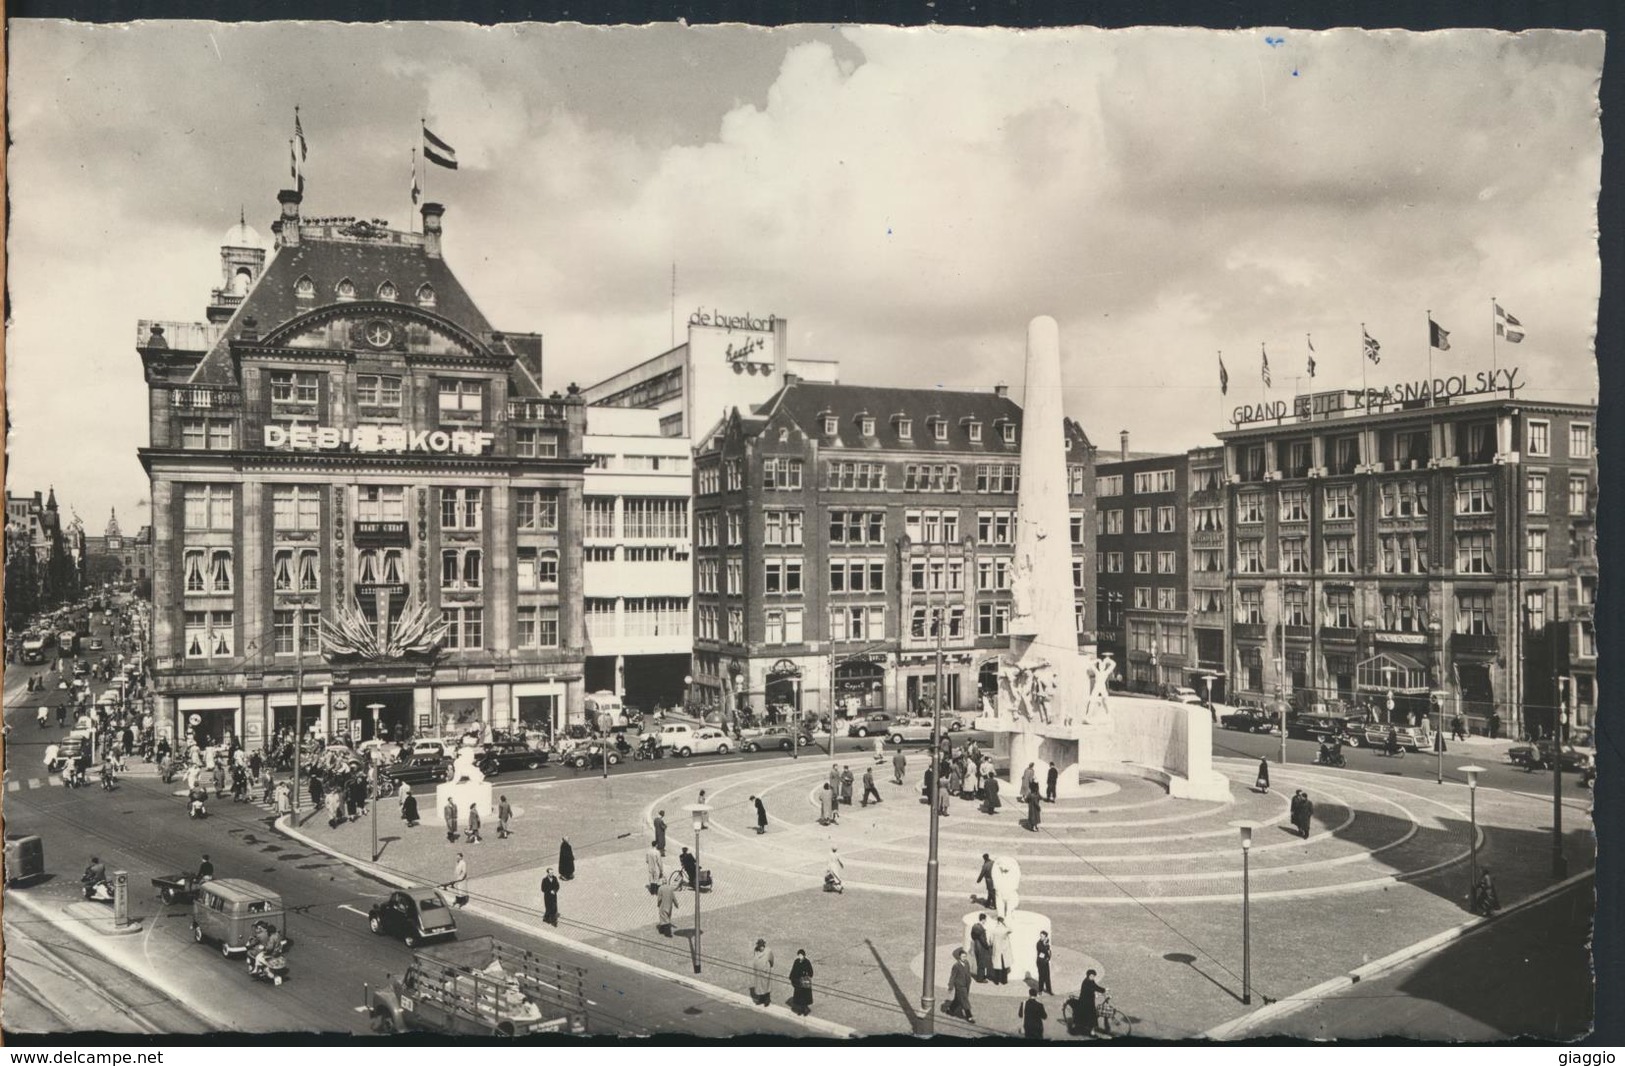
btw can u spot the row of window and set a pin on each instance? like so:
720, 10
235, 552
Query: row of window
779, 473
210, 634
936, 423
1110, 523
1400, 554
345, 289
785, 625
296, 508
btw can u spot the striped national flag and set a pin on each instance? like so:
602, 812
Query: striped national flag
1507, 327
438, 151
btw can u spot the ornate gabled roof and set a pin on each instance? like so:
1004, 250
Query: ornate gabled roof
366, 265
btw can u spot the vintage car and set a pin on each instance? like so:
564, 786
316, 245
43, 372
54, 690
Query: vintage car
874, 722
412, 916
418, 770
914, 730
1250, 720
705, 741
495, 758
1578, 755
781, 737
1410, 738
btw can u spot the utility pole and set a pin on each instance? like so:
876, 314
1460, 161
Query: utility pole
928, 991
298, 701
1560, 719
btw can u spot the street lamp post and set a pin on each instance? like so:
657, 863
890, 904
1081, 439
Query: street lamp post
375, 708
928, 991
1560, 865
1472, 773
701, 813
1246, 829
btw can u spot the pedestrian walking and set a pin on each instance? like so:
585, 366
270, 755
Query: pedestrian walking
761, 974
1458, 728
1263, 783
846, 785
656, 867
982, 945
284, 800
450, 813
1302, 811
943, 796
801, 981
869, 788
958, 1004
335, 809
986, 874
550, 898
660, 831
665, 903
459, 881
567, 860
1003, 956
1042, 954
691, 868
1051, 781
1032, 1014
880, 750
473, 824
409, 808
835, 872
1086, 1014
267, 785
899, 765
835, 785
1033, 810
990, 794
1029, 781
504, 816
826, 805
219, 778
761, 815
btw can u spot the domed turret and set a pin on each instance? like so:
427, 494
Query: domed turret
242, 235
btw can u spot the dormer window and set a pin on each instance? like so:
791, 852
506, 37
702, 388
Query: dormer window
831, 425
1009, 430
905, 429
426, 294
304, 288
866, 425
975, 431
345, 289
386, 291
939, 428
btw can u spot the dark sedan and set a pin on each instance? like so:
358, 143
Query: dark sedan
493, 759
412, 916
419, 770
1250, 720
877, 724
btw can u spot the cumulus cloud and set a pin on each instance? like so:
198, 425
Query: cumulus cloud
906, 198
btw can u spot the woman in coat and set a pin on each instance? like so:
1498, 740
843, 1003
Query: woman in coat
567, 860
1264, 776
826, 804
801, 975
761, 974
409, 809
990, 794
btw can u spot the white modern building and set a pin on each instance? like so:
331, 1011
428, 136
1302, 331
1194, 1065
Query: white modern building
638, 578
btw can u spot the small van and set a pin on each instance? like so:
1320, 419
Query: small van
225, 911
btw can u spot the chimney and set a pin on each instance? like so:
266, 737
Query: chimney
288, 229
1001, 389
1123, 437
791, 379
431, 229
250, 330
781, 344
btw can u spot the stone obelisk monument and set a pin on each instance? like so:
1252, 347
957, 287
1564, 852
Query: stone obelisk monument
1053, 705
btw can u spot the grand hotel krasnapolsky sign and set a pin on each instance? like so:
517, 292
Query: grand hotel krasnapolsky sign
1423, 391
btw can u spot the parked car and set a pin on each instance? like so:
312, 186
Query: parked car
876, 722
494, 758
418, 770
412, 916
773, 736
1411, 738
1181, 694
913, 730
1319, 726
704, 741
1579, 754
590, 754
1250, 720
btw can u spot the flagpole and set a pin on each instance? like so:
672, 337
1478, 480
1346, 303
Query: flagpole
1429, 314
422, 125
1494, 362
1364, 388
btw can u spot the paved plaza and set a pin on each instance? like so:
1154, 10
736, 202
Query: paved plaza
1145, 888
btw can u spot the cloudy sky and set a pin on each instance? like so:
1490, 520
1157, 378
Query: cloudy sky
908, 199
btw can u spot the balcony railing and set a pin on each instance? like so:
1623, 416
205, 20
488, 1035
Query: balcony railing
1345, 634
378, 534
1249, 630
1299, 632
535, 410
1474, 644
203, 398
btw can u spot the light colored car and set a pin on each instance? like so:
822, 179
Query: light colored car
917, 730
1184, 694
704, 741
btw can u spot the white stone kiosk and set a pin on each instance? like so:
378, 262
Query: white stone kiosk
1052, 704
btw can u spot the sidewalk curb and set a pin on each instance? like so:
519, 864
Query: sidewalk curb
92, 942
1288, 1005
818, 1025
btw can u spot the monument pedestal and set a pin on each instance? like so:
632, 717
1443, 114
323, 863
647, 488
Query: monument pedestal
1024, 929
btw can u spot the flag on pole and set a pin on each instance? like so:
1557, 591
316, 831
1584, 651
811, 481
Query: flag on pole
299, 135
1373, 350
437, 151
1507, 327
293, 162
1438, 336
1311, 341
1266, 367
1224, 377
417, 190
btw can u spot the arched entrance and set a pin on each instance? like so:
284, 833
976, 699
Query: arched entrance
783, 691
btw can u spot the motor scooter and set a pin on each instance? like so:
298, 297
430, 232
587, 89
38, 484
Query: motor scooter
1330, 757
195, 807
107, 779
100, 891
44, 718
272, 967
648, 751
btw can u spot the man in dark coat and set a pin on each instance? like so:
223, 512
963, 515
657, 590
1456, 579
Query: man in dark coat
986, 874
899, 763
691, 868
567, 860
1263, 782
990, 794
869, 788
1302, 810
846, 785
1029, 782
450, 811
1033, 814
982, 946
761, 815
550, 898
1051, 781
660, 832
1032, 1014
958, 1004
1086, 1016
1043, 953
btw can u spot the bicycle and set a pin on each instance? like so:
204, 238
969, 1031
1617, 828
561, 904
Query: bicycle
1109, 1021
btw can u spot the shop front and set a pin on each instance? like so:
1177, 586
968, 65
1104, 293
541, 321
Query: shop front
1393, 687
782, 688
209, 721
382, 714
859, 686
921, 695
539, 707
282, 706
461, 709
